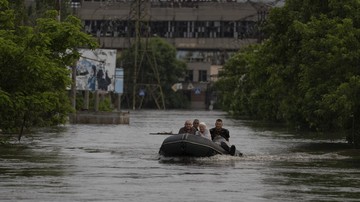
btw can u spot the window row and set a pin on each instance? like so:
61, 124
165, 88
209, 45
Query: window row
213, 57
166, 3
173, 29
159, 1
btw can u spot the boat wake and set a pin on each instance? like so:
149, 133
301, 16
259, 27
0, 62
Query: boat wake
216, 159
294, 157
224, 159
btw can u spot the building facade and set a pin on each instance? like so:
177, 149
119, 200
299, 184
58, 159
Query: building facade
204, 32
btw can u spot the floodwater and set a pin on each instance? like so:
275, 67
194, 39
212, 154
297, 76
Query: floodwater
121, 163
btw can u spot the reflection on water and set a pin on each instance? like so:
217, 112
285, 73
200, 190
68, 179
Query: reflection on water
121, 163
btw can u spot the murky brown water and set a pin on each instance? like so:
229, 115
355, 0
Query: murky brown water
121, 163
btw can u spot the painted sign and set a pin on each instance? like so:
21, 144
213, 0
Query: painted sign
95, 70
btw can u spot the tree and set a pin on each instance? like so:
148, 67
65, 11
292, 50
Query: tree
157, 57
33, 69
302, 73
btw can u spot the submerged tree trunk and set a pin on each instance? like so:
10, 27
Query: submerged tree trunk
22, 127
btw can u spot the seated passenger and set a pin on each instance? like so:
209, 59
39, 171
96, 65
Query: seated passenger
188, 128
218, 130
203, 131
221, 136
196, 124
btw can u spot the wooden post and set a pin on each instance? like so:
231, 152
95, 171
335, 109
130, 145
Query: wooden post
119, 102
96, 107
86, 100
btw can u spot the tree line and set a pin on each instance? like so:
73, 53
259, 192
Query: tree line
305, 73
34, 61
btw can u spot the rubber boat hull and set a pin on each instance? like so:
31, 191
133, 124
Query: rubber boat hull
191, 145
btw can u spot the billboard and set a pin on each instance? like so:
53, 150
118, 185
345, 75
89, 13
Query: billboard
95, 70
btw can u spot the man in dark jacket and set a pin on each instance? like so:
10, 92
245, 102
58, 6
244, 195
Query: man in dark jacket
222, 132
219, 130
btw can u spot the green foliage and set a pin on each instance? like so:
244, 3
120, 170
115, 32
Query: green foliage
33, 70
156, 57
176, 100
6, 15
306, 73
105, 104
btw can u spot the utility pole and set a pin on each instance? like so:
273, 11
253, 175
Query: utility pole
136, 9
138, 13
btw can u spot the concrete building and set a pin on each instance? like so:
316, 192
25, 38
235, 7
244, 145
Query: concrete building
205, 32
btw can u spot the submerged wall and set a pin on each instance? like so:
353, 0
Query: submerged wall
86, 117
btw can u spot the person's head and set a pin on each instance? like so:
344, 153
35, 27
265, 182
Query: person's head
202, 127
196, 123
218, 123
188, 124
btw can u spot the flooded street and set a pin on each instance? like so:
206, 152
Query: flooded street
121, 163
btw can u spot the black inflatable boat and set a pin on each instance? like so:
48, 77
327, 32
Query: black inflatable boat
192, 146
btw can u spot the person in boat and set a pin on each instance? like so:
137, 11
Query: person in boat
188, 128
218, 130
196, 124
203, 131
221, 136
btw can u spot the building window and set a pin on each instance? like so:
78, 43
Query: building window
202, 75
171, 29
189, 76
